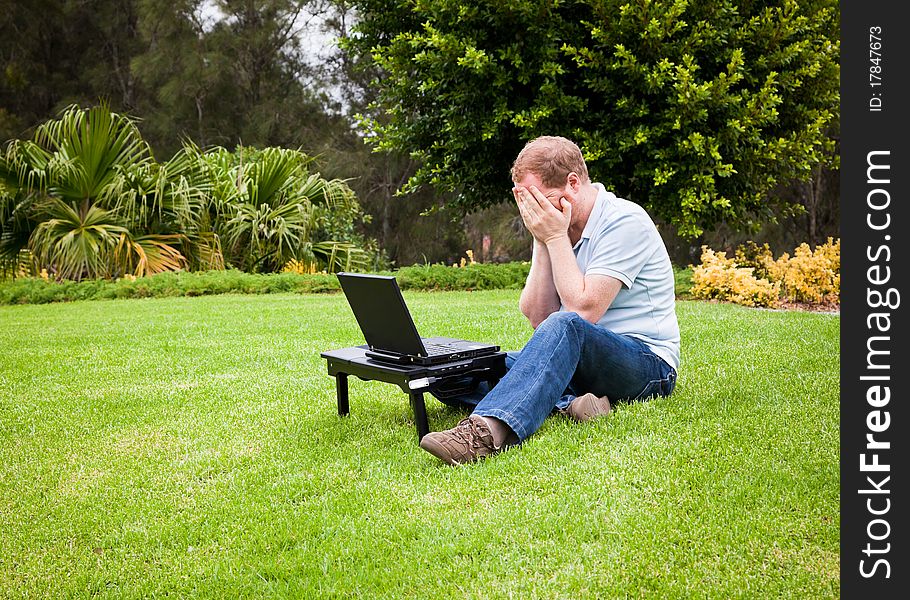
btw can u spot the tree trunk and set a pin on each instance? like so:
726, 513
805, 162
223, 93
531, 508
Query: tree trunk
814, 191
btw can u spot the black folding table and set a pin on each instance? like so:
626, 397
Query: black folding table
413, 380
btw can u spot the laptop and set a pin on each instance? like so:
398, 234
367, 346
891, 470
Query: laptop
389, 330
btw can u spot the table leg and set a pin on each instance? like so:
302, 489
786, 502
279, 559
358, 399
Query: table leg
341, 392
420, 414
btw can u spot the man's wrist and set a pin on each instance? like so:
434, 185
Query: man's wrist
555, 240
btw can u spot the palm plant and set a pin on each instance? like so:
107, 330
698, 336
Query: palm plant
268, 209
76, 242
86, 199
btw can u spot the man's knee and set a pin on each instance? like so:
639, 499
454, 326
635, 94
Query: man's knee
561, 320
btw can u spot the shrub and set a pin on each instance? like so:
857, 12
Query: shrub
267, 208
474, 276
758, 258
85, 199
35, 290
719, 278
808, 276
755, 278
297, 278
694, 109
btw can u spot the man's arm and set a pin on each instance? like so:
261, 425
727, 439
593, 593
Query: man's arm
588, 295
539, 297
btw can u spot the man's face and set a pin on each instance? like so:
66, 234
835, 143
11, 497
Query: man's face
554, 195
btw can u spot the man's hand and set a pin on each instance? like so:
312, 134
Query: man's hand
545, 222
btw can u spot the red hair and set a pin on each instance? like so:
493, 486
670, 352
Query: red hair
551, 158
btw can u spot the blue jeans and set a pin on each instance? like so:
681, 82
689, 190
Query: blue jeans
567, 356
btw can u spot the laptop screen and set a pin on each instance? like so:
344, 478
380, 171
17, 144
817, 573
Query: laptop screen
381, 312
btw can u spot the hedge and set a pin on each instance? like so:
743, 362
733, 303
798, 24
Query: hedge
429, 277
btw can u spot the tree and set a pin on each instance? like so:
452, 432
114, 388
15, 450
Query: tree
413, 227
228, 72
696, 110
220, 72
54, 53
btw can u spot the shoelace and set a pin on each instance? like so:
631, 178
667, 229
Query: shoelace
470, 432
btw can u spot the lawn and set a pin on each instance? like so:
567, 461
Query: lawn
190, 447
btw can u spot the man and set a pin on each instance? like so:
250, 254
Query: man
600, 296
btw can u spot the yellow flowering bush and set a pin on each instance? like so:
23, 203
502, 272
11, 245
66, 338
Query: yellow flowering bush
720, 278
465, 262
809, 276
754, 278
759, 258
299, 267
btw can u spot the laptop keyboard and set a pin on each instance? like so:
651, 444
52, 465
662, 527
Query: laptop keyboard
434, 349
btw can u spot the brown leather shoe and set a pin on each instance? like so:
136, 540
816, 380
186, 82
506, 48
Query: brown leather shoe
468, 441
587, 407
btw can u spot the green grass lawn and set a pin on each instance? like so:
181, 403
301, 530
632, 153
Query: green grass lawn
190, 447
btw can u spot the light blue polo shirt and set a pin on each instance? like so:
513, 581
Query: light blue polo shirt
620, 240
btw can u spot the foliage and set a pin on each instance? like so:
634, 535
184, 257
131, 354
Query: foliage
720, 278
811, 276
40, 290
754, 278
258, 73
410, 229
229, 72
267, 208
474, 276
54, 53
87, 200
295, 277
219, 71
252, 73
758, 258
695, 110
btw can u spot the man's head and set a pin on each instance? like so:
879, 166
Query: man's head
551, 159
555, 166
